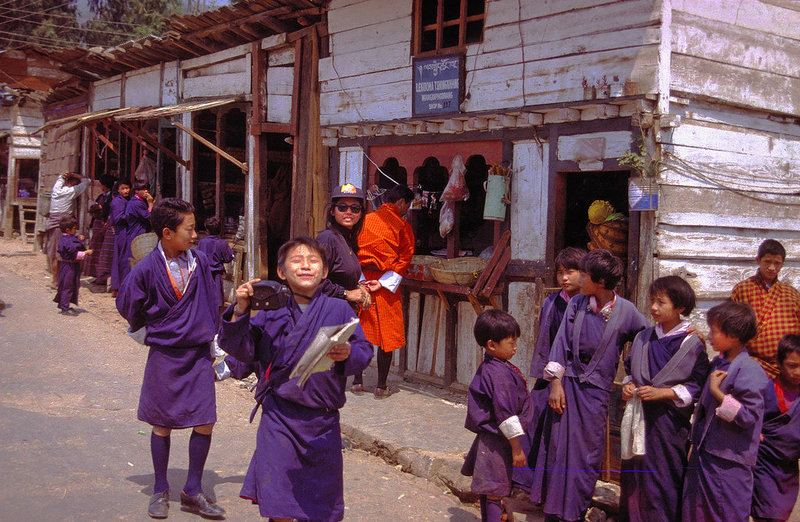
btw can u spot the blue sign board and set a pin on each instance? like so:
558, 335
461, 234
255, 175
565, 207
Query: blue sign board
437, 85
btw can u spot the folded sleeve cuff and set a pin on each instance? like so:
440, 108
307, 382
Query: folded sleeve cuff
684, 397
728, 409
626, 380
390, 280
511, 427
553, 370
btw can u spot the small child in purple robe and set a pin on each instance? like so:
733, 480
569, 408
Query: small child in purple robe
169, 298
727, 423
775, 475
566, 458
568, 274
667, 368
497, 410
71, 250
218, 251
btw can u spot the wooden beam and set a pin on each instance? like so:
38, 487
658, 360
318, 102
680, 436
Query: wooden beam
211, 146
154, 141
136, 139
105, 140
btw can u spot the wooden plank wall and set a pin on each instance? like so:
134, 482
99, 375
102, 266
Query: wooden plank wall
532, 53
729, 182
143, 87
731, 52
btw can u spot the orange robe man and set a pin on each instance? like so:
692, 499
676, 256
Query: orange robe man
385, 247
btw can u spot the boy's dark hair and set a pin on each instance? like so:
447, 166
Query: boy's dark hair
678, 291
213, 225
602, 265
398, 192
67, 222
169, 213
494, 325
789, 343
771, 246
734, 319
141, 186
309, 242
570, 258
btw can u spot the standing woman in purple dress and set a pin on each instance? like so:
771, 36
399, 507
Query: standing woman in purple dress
116, 216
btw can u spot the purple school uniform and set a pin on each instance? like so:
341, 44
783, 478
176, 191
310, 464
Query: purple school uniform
119, 265
566, 463
550, 318
178, 383
652, 483
137, 222
775, 475
719, 476
219, 253
69, 271
497, 392
296, 469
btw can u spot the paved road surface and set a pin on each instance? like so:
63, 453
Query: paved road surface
72, 448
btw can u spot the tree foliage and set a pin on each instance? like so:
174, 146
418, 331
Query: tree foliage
130, 19
46, 23
54, 23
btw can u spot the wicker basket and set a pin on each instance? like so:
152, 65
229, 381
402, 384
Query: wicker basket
463, 271
420, 267
142, 245
611, 235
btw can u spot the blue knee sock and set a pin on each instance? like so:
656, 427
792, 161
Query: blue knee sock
199, 445
159, 450
491, 510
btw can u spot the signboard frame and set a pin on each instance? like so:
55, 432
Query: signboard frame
417, 108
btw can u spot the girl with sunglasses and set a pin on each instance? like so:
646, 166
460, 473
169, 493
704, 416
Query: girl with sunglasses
340, 240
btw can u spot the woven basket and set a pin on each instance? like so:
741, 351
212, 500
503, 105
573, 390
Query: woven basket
462, 271
611, 235
420, 267
143, 244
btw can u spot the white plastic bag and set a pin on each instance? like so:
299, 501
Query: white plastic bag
456, 189
447, 218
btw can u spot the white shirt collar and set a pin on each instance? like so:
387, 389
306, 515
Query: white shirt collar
681, 327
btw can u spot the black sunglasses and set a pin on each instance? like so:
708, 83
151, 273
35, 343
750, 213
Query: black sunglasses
355, 209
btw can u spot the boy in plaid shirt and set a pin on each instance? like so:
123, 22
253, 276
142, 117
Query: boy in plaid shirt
776, 304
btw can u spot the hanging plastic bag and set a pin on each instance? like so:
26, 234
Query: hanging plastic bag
447, 218
456, 189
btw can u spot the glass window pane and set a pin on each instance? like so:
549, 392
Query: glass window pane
474, 31
475, 7
428, 41
428, 11
452, 10
450, 36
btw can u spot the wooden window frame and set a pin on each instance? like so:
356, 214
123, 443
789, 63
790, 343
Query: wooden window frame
439, 27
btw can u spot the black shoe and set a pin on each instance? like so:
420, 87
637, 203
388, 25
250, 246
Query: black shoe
159, 505
70, 312
201, 505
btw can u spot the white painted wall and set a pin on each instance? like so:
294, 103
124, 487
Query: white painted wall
529, 200
143, 87
351, 166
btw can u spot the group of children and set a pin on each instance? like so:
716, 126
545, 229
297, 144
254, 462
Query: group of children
736, 457
128, 217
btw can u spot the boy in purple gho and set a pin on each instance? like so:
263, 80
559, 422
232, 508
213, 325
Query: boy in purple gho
169, 297
498, 408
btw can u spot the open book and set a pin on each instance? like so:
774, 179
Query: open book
316, 357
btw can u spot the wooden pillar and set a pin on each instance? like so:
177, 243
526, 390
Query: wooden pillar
259, 153
310, 182
220, 182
